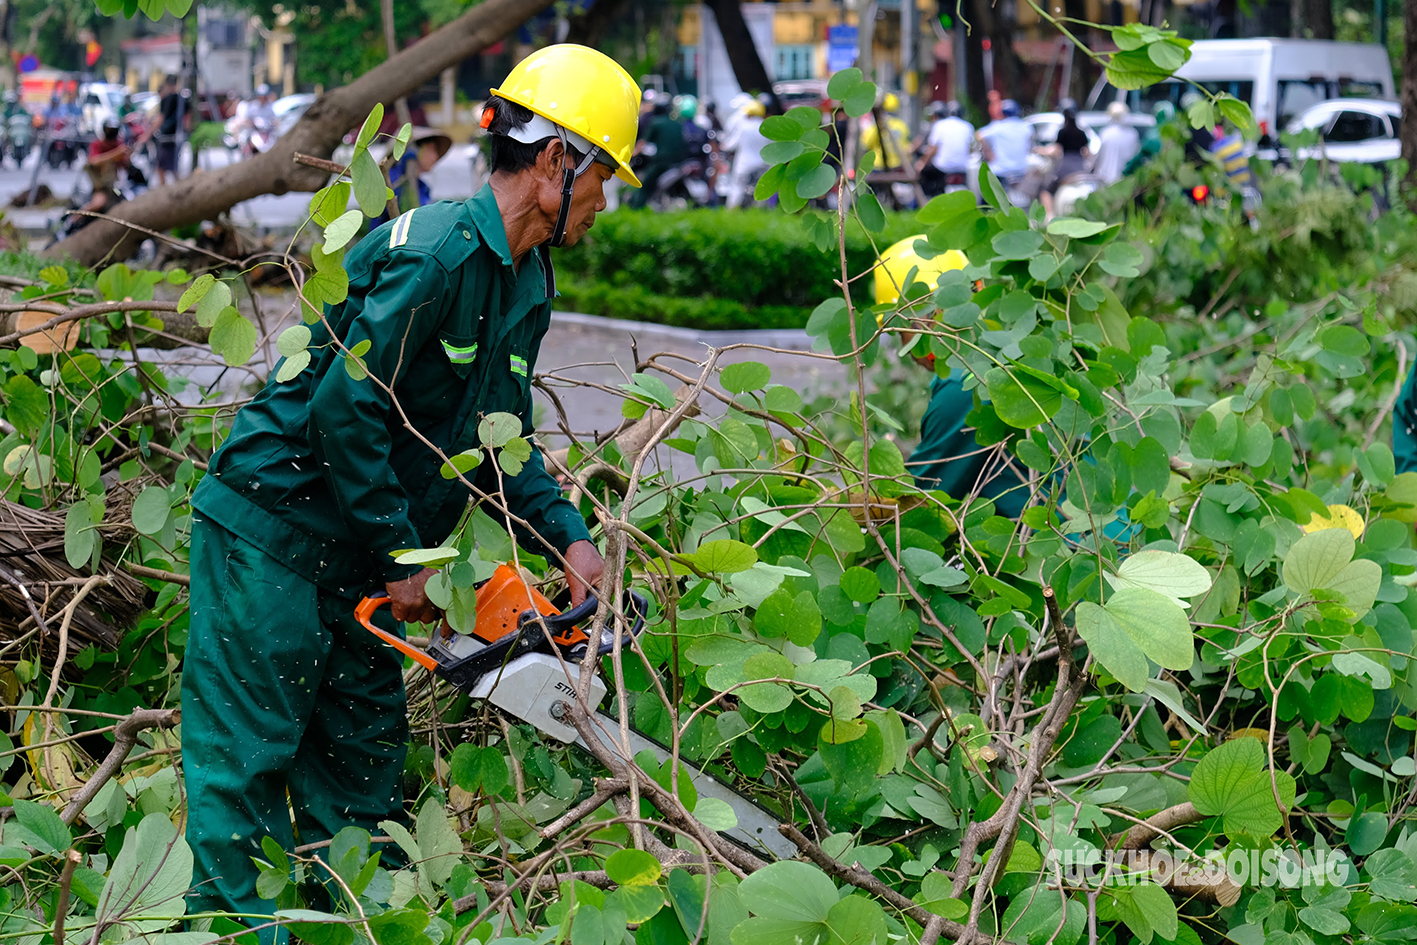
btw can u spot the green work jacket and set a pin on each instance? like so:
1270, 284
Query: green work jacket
322, 473
1404, 425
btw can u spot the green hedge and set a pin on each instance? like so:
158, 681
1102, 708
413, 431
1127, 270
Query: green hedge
710, 269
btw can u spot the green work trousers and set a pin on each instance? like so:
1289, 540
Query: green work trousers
949, 457
282, 691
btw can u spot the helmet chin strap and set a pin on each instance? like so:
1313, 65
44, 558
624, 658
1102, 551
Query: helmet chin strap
568, 182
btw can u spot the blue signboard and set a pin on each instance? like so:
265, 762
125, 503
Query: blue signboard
842, 47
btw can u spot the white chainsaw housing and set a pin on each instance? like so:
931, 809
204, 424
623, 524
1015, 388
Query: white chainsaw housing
529, 686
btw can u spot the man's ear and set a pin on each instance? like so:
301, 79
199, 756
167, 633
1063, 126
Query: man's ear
549, 162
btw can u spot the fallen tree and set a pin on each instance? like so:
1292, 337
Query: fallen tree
319, 131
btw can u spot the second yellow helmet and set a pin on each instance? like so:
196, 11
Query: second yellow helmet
899, 259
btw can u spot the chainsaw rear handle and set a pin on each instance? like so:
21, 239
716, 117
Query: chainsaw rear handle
364, 613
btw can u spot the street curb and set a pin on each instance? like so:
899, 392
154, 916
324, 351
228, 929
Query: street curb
792, 338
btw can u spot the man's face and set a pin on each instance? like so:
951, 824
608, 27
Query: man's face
587, 199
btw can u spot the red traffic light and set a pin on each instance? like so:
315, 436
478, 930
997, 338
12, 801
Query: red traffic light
1199, 193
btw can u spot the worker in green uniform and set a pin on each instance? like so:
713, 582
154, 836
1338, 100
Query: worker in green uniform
1404, 425
321, 480
663, 146
949, 458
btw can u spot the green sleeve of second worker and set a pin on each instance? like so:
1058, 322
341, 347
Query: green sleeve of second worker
1404, 425
535, 496
349, 418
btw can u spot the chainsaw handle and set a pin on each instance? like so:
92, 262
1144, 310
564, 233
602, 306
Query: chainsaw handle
638, 608
364, 613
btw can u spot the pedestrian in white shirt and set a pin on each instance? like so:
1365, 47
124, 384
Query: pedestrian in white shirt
1119, 143
946, 155
746, 141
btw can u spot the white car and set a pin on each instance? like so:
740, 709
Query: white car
101, 101
1352, 130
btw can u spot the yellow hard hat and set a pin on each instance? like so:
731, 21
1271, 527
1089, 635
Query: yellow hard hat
891, 102
583, 91
898, 260
755, 108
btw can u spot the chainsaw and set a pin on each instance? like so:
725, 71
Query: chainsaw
523, 656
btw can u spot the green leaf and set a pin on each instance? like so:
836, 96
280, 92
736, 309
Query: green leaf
860, 584
233, 337
293, 340
633, 868
745, 376
497, 429
1134, 625
478, 769
870, 212
1317, 559
1357, 584
816, 182
369, 187
401, 140
149, 878
640, 903
212, 303
724, 556
370, 126
438, 841
47, 833
196, 291
1075, 227
1134, 69
429, 557
1366, 833
790, 892
464, 462
1236, 112
342, 230
715, 814
1018, 244
1175, 575
780, 152
1148, 910
151, 509
781, 128
842, 83
1231, 782
291, 367
856, 920
859, 100
1020, 400
79, 535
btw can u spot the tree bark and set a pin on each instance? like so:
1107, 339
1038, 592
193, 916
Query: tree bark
975, 82
203, 196
748, 66
1409, 97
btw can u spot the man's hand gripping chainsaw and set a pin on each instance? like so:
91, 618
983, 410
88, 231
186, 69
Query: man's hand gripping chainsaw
530, 672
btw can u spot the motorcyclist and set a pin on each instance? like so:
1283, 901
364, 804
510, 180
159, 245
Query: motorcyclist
663, 145
108, 156
1070, 151
945, 159
1007, 144
1119, 144
12, 105
746, 141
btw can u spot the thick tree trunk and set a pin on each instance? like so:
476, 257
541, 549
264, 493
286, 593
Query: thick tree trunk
743, 56
975, 82
203, 196
1409, 97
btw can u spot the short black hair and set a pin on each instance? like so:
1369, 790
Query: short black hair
505, 153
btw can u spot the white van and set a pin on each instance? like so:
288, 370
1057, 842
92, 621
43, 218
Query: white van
1278, 78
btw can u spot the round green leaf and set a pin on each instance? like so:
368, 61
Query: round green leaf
724, 556
633, 868
151, 509
745, 376
860, 584
342, 230
816, 182
1366, 832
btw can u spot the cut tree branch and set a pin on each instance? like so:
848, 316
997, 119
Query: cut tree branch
125, 736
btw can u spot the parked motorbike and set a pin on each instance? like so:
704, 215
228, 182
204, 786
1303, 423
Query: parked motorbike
689, 185
63, 142
19, 137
